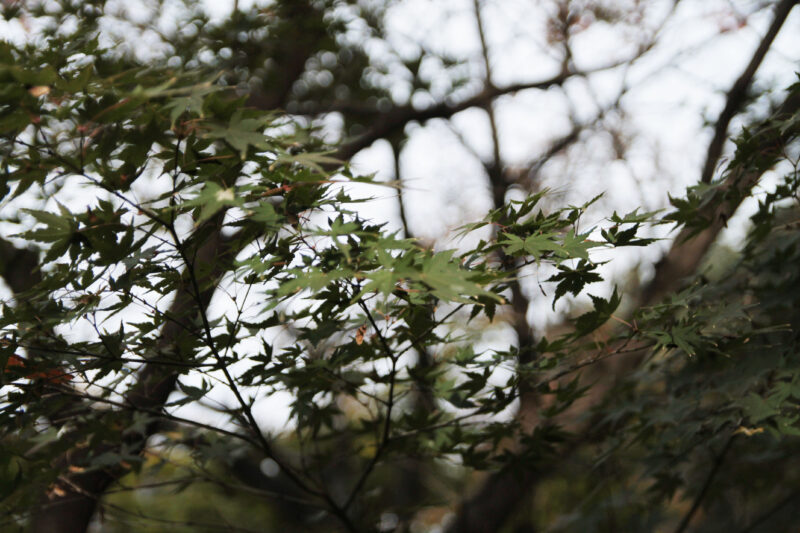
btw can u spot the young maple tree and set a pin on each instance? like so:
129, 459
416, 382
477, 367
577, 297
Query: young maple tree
186, 249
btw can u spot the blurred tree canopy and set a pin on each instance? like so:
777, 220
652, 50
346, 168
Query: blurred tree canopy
202, 329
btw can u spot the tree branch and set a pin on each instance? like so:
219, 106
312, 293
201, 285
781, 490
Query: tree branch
738, 93
720, 457
384, 124
690, 246
766, 515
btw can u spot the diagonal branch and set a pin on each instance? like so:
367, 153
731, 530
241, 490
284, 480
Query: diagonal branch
698, 501
738, 93
690, 246
769, 513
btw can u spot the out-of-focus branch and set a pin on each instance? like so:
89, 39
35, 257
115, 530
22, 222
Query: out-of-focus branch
307, 32
495, 169
737, 95
698, 501
385, 124
397, 149
556, 147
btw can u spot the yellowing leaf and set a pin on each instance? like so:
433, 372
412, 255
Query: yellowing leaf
360, 334
39, 90
748, 432
225, 195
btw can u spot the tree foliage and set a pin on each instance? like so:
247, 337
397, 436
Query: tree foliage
193, 250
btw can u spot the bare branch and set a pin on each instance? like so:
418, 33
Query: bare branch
385, 124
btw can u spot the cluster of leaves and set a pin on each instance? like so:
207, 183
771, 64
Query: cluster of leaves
186, 194
200, 256
713, 401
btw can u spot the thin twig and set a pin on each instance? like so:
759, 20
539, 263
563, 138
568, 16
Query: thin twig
159, 414
387, 427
